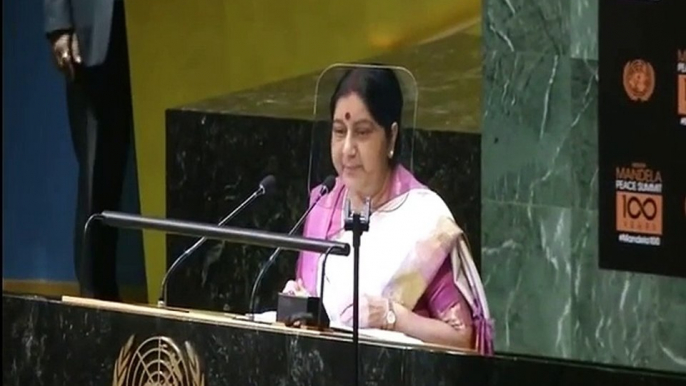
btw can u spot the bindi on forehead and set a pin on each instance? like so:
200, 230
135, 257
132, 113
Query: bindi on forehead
347, 116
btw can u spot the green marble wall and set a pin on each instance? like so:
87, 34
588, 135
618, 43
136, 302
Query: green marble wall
539, 200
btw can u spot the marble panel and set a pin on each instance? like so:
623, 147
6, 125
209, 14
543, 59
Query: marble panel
623, 318
536, 26
583, 29
527, 118
526, 265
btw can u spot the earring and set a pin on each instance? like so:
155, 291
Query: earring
390, 154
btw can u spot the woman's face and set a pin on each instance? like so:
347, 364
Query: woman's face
360, 149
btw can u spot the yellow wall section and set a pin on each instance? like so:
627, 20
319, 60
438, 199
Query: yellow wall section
130, 294
182, 51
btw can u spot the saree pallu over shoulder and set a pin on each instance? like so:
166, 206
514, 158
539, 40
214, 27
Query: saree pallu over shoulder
437, 237
467, 279
410, 237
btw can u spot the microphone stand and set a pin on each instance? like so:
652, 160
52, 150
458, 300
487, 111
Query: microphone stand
162, 301
326, 187
272, 258
357, 223
321, 290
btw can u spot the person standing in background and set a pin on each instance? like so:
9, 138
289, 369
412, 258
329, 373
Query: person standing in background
88, 43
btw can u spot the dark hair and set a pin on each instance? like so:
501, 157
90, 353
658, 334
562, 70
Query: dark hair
380, 91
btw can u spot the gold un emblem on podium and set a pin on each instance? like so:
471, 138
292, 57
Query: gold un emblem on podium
158, 361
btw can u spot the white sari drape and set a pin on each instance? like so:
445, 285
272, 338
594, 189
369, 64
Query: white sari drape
407, 242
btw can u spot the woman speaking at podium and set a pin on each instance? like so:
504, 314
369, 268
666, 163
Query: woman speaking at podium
416, 272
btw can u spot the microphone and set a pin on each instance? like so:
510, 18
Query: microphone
266, 186
325, 189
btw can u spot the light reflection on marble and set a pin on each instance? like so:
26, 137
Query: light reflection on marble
584, 29
582, 142
622, 317
447, 72
526, 124
671, 331
540, 26
527, 275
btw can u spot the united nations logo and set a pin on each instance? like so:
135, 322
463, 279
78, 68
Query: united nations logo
639, 80
158, 361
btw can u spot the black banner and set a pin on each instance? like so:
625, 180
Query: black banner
642, 136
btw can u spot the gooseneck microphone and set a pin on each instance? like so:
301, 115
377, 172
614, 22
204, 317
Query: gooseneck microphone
266, 186
325, 189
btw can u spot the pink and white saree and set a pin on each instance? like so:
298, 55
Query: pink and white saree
413, 253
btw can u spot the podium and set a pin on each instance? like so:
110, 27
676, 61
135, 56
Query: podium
77, 341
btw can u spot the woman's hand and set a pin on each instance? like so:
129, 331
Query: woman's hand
295, 288
373, 311
66, 52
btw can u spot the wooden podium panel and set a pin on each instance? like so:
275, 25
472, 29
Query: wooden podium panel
75, 341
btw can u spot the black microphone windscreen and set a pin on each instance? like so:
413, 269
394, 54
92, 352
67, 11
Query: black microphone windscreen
329, 183
268, 184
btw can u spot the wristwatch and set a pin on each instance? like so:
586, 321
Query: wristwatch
390, 316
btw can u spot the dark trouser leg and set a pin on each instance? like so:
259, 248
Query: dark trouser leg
83, 131
108, 96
